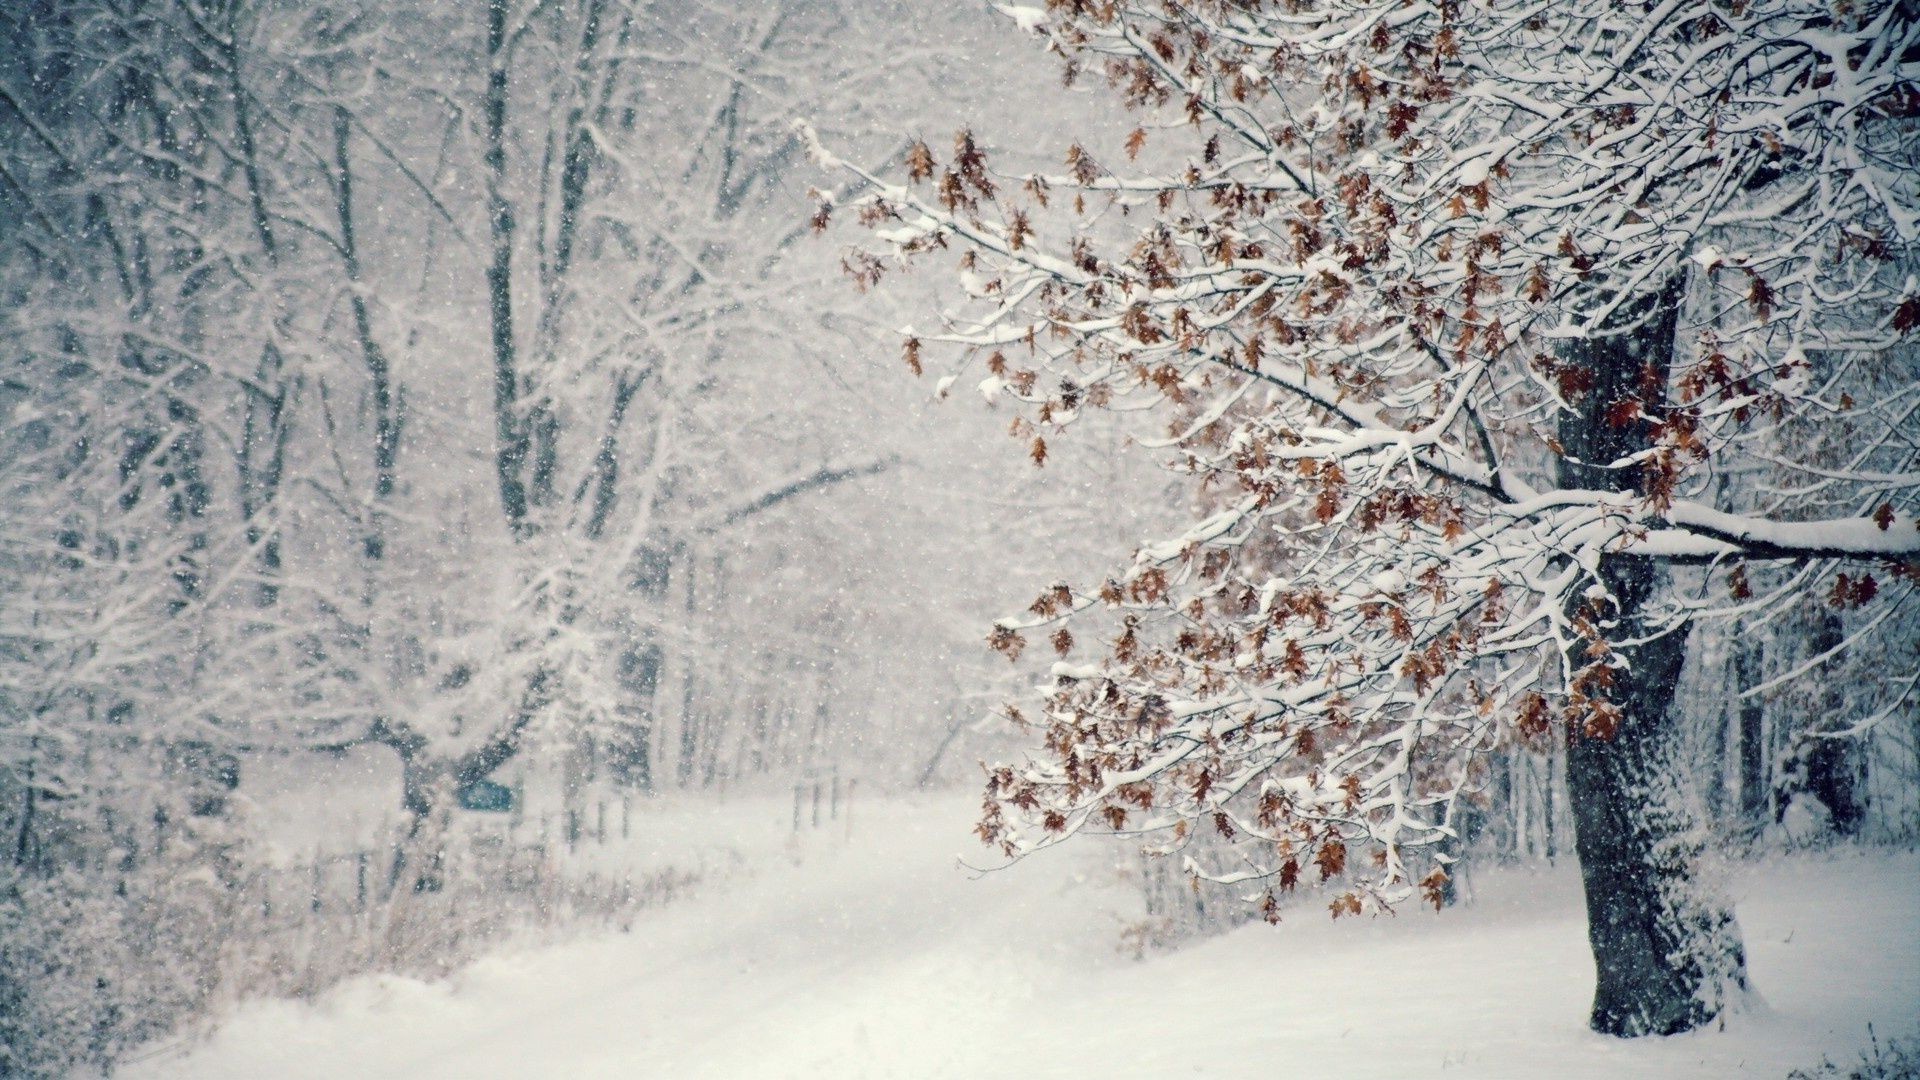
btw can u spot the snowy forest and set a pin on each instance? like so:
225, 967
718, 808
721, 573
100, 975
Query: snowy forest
1115, 538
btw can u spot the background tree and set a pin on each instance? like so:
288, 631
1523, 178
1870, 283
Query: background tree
1458, 316
449, 380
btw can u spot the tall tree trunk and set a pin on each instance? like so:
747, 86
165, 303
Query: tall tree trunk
511, 438
417, 773
264, 442
386, 413
188, 499
689, 732
1666, 952
243, 133
1748, 663
262, 465
1829, 768
631, 752
30, 791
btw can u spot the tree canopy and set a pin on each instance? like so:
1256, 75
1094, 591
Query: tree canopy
1501, 345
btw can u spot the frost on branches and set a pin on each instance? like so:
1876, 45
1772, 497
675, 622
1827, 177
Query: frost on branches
1501, 346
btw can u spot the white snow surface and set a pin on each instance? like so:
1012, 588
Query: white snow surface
879, 955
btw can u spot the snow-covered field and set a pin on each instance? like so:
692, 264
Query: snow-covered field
882, 956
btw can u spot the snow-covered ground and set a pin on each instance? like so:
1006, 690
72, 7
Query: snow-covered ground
881, 956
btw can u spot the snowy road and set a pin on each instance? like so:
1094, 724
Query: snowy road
882, 958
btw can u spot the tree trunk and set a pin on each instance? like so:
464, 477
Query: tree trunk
1667, 953
262, 465
689, 733
511, 438
420, 780
29, 793
1836, 776
1828, 768
631, 751
1748, 664
386, 413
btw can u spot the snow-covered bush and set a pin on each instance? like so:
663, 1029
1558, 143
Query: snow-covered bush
1894, 1059
113, 947
105, 954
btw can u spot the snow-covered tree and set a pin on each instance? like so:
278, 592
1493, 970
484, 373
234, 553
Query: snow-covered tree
1457, 315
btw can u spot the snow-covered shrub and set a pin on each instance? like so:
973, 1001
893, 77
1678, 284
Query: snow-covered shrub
1895, 1059
99, 956
102, 954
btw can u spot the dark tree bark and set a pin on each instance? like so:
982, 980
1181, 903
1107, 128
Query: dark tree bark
30, 791
631, 750
262, 465
632, 744
511, 439
264, 440
386, 413
229, 48
1829, 767
188, 499
689, 724
1836, 776
1748, 663
1667, 953
425, 778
